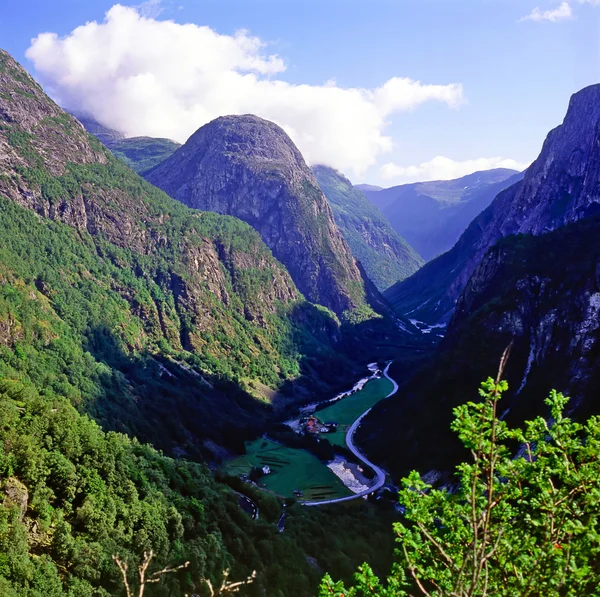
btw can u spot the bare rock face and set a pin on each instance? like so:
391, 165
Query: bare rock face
560, 187
217, 267
526, 274
249, 168
16, 494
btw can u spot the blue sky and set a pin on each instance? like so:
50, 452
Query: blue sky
516, 75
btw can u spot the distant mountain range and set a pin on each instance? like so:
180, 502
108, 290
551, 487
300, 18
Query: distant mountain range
432, 215
368, 187
139, 153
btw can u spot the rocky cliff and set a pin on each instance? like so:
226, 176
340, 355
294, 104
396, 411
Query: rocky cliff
526, 273
138, 308
540, 294
561, 186
249, 168
385, 255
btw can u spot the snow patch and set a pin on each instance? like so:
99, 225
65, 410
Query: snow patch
425, 328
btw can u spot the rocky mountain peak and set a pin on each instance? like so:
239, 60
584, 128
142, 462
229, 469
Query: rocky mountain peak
249, 168
559, 188
561, 185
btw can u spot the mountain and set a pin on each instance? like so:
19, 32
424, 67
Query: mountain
249, 168
557, 189
104, 134
385, 255
139, 153
431, 216
143, 153
525, 274
367, 187
136, 305
164, 325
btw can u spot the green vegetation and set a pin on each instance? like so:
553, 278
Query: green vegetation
99, 324
131, 299
522, 521
74, 496
290, 469
344, 412
384, 254
143, 153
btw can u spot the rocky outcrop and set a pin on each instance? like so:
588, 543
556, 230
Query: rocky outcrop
15, 496
384, 254
217, 278
249, 168
560, 187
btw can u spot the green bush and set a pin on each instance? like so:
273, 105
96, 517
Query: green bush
523, 520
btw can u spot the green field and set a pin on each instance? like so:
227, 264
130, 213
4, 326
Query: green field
344, 412
291, 469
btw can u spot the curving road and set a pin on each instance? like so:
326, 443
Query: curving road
379, 473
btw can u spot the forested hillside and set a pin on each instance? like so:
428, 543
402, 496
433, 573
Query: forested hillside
384, 254
162, 323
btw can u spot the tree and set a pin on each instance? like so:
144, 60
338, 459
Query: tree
142, 570
226, 586
523, 520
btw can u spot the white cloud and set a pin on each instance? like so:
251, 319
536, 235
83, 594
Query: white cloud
560, 13
159, 78
442, 168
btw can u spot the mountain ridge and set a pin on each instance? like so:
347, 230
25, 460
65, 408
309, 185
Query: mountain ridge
384, 254
432, 215
525, 274
249, 168
528, 206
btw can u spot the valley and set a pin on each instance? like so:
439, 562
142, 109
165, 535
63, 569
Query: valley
297, 473
225, 368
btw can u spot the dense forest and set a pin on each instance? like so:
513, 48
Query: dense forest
127, 319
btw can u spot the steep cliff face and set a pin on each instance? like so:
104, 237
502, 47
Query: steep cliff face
249, 168
561, 186
385, 255
133, 305
539, 293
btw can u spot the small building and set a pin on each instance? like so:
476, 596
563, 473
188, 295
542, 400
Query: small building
266, 469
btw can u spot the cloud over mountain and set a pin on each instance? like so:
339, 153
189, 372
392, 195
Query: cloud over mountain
145, 76
443, 168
